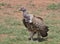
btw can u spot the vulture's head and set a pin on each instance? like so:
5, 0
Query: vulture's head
23, 9
28, 17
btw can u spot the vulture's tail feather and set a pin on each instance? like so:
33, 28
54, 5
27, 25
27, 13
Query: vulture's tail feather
46, 28
44, 32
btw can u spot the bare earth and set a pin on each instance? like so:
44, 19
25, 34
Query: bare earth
14, 6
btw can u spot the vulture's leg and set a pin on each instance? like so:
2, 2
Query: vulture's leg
38, 36
31, 35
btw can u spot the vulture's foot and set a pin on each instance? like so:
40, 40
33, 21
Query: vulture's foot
29, 38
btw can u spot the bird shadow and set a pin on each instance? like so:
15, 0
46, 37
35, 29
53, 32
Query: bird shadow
39, 39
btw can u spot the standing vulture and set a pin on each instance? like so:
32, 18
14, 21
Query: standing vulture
34, 24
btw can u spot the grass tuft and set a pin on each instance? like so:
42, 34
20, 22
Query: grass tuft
53, 6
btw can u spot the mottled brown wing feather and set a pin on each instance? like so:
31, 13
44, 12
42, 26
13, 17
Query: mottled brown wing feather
38, 17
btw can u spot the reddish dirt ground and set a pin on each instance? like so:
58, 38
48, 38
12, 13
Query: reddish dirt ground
16, 4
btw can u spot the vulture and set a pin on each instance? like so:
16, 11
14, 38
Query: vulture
34, 24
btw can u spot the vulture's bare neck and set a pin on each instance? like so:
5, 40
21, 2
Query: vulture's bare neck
25, 13
27, 17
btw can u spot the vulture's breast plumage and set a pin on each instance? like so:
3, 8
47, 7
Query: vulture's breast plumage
37, 25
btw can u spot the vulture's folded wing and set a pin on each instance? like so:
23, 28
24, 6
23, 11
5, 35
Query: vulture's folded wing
39, 24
